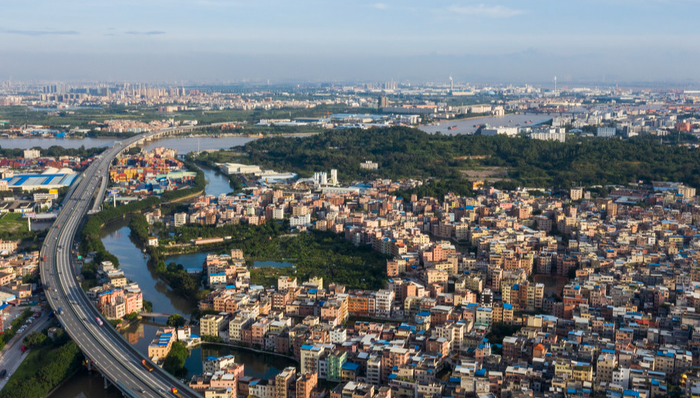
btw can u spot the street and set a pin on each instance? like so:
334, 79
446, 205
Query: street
11, 356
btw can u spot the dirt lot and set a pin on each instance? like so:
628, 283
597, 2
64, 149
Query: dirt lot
487, 173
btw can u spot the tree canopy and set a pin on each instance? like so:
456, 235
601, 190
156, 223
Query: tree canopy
410, 153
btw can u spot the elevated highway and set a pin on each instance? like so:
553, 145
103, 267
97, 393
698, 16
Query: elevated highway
118, 361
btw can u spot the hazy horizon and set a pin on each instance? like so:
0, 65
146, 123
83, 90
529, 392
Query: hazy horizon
614, 41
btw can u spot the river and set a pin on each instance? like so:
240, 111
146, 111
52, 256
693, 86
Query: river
182, 144
467, 126
116, 238
27, 143
185, 145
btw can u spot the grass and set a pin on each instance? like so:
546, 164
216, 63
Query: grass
267, 276
13, 222
31, 363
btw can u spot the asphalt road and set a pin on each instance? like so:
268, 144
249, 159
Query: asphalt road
112, 355
12, 357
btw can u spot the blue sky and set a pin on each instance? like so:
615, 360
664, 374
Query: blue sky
311, 39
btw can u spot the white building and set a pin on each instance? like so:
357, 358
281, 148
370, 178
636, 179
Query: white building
296, 221
369, 165
384, 302
549, 136
237, 168
509, 131
180, 219
605, 132
338, 335
278, 213
31, 153
310, 358
262, 389
215, 364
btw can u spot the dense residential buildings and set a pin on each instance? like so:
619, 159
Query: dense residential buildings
479, 291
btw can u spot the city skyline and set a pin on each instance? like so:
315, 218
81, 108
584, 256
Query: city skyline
475, 41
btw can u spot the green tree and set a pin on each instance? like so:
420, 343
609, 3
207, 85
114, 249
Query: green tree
176, 320
35, 339
175, 360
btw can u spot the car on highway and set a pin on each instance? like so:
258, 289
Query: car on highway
3, 373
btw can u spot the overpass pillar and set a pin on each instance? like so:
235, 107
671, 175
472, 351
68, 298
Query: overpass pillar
106, 382
89, 363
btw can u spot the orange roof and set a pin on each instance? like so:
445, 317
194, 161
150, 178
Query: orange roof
539, 347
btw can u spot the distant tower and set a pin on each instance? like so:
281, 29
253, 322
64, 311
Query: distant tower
452, 84
382, 103
555, 84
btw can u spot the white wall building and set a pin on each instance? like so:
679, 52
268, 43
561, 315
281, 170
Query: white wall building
509, 131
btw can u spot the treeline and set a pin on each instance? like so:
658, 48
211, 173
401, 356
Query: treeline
53, 151
175, 274
314, 253
90, 234
56, 365
438, 188
14, 326
199, 184
174, 362
337, 260
410, 153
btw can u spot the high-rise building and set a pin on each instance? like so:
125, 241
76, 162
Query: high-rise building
382, 102
576, 193
283, 382
306, 384
310, 357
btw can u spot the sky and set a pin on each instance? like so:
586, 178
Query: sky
480, 41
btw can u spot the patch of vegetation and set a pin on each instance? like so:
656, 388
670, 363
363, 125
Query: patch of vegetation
14, 227
313, 253
14, 327
410, 153
175, 360
501, 330
46, 366
212, 339
53, 151
176, 320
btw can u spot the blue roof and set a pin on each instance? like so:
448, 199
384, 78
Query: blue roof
350, 366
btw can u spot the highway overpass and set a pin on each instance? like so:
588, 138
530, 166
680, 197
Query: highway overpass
109, 352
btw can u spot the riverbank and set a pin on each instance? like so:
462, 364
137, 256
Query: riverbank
469, 125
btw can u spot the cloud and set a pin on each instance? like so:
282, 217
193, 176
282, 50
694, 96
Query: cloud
149, 33
39, 32
380, 6
483, 10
